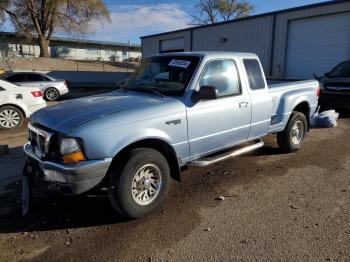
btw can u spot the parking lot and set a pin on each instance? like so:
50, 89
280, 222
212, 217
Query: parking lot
276, 207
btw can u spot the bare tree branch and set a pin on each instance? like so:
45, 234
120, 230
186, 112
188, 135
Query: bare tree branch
43, 18
213, 11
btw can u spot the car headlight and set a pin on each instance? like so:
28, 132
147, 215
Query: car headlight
71, 151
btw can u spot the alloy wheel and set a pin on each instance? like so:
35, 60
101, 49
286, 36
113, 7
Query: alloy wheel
146, 184
297, 132
52, 94
9, 118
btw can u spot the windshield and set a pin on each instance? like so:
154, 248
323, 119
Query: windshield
168, 75
341, 70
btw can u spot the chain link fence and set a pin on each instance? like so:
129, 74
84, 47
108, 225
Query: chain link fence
15, 63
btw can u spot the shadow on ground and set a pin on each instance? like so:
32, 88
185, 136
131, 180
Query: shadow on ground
54, 212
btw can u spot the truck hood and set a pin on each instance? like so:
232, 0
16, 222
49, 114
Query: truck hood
68, 115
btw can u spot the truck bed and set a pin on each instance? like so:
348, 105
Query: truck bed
283, 94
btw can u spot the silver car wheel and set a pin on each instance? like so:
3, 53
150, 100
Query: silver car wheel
9, 118
146, 184
52, 94
297, 132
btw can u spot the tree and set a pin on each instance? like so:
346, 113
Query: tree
213, 11
43, 18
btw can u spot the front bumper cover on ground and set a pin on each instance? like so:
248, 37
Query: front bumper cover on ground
77, 178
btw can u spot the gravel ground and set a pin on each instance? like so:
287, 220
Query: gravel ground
276, 207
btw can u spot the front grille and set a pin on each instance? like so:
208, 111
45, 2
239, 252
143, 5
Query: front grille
40, 140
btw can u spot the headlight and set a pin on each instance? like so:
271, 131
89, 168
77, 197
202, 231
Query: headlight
69, 145
71, 151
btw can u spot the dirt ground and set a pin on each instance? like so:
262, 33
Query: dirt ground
277, 207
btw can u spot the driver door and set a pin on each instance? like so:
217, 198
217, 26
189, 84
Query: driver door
220, 123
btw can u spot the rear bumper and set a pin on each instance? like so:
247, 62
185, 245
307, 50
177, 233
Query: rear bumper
63, 91
74, 179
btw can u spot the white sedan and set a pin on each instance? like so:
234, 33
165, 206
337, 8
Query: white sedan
17, 103
51, 88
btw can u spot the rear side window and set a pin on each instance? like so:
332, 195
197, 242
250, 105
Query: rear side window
46, 78
34, 78
254, 73
16, 78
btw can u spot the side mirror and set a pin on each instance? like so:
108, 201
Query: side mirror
207, 93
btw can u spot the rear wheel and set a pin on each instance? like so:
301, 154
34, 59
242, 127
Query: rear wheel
10, 117
140, 186
292, 137
52, 94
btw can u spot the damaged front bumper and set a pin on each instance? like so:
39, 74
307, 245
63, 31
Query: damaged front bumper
72, 179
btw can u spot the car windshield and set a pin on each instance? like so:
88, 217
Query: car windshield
341, 70
169, 75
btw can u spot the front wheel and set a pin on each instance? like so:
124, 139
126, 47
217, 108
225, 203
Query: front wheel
10, 117
292, 137
140, 186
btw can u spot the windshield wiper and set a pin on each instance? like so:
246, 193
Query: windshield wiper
149, 90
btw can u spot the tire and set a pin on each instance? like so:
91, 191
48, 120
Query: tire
52, 94
131, 194
292, 137
10, 117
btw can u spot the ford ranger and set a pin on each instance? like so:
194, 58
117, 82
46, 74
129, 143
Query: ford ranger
176, 110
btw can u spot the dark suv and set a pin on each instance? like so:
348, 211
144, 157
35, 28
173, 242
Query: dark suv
335, 88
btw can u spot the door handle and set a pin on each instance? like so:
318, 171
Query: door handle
243, 104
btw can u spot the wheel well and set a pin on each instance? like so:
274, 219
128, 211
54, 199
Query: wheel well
16, 106
304, 108
157, 144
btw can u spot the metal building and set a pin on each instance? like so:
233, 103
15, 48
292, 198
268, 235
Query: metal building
292, 43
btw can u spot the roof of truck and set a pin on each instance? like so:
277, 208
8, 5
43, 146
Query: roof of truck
214, 54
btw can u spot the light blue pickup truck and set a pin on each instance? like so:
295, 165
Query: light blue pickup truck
177, 110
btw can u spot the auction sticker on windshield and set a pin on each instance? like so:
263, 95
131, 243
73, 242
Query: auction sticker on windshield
179, 63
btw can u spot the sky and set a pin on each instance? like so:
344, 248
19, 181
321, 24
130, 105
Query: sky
131, 19
134, 18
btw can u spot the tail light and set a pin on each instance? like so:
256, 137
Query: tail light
37, 93
65, 83
318, 91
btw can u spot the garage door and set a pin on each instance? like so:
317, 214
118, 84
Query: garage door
172, 45
316, 45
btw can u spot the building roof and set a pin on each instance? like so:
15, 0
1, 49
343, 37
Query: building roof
251, 17
76, 41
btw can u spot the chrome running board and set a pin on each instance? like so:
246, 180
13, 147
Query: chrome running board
204, 162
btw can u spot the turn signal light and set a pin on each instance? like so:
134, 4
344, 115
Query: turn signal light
73, 157
37, 93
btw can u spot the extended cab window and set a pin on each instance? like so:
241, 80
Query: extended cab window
223, 75
254, 74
